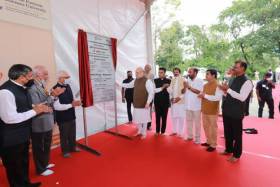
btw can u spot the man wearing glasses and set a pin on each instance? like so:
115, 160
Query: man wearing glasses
16, 113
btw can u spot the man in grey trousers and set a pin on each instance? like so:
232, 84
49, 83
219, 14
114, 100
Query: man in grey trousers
65, 115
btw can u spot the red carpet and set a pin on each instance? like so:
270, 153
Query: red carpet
168, 161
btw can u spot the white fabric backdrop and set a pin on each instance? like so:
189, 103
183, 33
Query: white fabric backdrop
112, 18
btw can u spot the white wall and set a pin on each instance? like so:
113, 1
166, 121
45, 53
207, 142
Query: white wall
27, 45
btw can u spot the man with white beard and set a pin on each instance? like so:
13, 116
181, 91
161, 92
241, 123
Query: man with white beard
142, 97
150, 76
177, 103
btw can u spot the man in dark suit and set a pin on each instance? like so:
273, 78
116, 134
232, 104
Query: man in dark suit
127, 95
16, 112
264, 94
161, 101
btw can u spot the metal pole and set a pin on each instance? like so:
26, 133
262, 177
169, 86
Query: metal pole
115, 105
85, 126
105, 116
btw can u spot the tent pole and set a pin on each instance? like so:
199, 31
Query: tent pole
85, 126
85, 146
116, 132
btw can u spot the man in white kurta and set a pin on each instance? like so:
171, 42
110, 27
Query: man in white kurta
142, 97
177, 103
194, 86
149, 75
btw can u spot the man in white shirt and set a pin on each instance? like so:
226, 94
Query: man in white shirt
233, 106
193, 86
142, 98
149, 75
210, 96
65, 115
16, 112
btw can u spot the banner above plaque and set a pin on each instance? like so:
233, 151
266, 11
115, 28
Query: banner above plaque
35, 13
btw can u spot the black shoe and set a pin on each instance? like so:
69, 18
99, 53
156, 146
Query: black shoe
210, 149
67, 155
149, 126
205, 144
36, 184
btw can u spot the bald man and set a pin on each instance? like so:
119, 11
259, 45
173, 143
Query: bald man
65, 115
142, 98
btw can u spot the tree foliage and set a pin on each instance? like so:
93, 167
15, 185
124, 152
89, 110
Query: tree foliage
249, 29
170, 53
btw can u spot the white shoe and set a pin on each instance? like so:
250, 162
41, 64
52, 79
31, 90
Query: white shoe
47, 172
143, 137
197, 142
50, 166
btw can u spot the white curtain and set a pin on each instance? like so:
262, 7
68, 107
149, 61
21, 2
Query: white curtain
112, 18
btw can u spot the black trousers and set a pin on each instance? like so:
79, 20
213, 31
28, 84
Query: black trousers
128, 107
247, 105
161, 116
270, 104
16, 162
67, 133
233, 135
41, 145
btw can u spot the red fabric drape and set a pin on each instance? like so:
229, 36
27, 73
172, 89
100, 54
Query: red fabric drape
84, 70
114, 51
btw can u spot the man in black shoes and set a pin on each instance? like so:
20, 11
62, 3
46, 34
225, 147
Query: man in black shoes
16, 112
127, 96
233, 108
65, 115
210, 98
264, 94
161, 101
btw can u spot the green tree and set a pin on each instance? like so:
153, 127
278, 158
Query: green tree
170, 52
207, 47
249, 29
255, 27
163, 14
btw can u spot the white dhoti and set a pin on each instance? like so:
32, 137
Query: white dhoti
141, 116
178, 116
